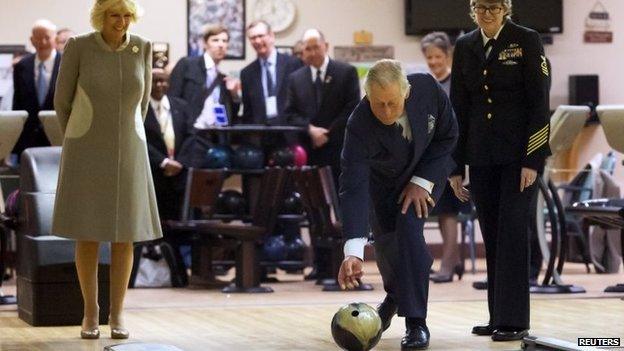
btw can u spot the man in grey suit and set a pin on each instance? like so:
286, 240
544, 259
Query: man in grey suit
395, 162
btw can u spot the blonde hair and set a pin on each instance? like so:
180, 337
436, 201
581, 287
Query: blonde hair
385, 72
98, 11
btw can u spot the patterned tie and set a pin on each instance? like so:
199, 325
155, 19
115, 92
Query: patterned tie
269, 79
318, 89
42, 84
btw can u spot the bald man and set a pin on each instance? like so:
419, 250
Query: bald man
321, 97
34, 78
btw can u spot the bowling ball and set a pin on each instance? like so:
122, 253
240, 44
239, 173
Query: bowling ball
301, 156
295, 249
219, 156
274, 248
248, 157
292, 204
282, 157
231, 202
356, 327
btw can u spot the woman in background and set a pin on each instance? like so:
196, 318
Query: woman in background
437, 49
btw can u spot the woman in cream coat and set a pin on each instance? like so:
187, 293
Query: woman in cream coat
105, 190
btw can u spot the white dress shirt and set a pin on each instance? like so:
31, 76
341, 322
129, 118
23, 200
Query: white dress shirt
323, 69
486, 39
48, 66
162, 111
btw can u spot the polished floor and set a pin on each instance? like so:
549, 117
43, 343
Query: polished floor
297, 316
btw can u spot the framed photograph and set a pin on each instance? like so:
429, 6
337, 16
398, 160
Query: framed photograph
203, 13
284, 49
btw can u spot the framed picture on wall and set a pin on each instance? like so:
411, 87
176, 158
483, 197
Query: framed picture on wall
204, 13
284, 49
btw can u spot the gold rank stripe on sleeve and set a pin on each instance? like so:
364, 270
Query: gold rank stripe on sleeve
537, 143
538, 134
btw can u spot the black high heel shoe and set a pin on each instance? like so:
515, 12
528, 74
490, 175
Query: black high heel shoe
458, 269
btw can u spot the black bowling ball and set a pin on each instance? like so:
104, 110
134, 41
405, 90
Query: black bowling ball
282, 157
248, 157
292, 204
231, 202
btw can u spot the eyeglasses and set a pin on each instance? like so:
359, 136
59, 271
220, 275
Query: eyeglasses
494, 10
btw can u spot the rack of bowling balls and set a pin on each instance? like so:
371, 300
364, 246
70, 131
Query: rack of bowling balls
285, 249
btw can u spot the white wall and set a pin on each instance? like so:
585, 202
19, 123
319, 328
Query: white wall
165, 21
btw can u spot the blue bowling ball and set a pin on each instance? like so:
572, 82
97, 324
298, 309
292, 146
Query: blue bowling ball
274, 248
219, 156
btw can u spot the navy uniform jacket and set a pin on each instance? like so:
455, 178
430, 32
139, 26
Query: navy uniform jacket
502, 103
372, 169
254, 109
188, 82
25, 98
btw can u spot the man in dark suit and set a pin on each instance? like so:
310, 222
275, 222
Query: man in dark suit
265, 80
168, 128
34, 80
395, 162
198, 81
321, 97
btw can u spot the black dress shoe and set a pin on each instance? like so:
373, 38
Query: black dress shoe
509, 335
416, 337
483, 330
386, 310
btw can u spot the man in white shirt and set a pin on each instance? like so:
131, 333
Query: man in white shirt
395, 162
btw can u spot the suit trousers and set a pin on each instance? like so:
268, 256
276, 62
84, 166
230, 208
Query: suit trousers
404, 262
504, 214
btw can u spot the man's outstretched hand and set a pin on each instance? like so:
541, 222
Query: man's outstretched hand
350, 272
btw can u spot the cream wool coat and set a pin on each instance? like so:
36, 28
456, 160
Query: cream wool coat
105, 190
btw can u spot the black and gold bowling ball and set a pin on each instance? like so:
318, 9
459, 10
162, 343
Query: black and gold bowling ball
356, 327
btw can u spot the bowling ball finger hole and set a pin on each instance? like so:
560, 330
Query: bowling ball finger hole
355, 313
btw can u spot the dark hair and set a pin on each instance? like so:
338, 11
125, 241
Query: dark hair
438, 39
215, 30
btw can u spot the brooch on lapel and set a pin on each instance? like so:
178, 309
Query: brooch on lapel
135, 49
328, 79
511, 53
430, 124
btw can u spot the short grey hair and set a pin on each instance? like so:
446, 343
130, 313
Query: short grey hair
506, 4
45, 24
98, 11
313, 33
439, 40
385, 72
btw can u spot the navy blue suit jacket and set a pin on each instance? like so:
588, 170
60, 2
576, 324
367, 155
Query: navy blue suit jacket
373, 170
25, 98
254, 109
